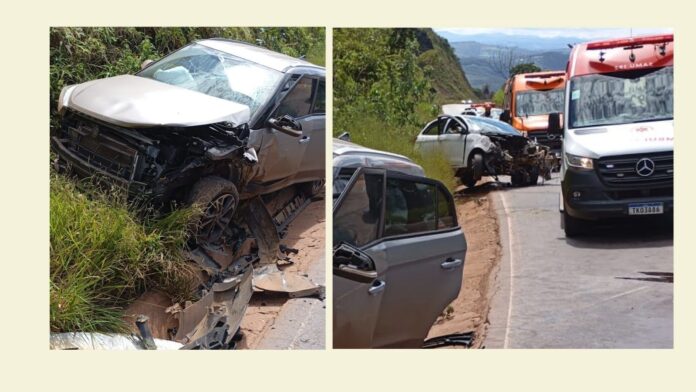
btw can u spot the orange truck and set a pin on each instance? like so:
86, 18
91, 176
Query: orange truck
529, 99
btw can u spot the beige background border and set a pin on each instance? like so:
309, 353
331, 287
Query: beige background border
26, 361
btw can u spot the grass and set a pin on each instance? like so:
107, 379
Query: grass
104, 253
372, 132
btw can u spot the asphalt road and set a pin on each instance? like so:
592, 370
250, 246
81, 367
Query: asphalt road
610, 289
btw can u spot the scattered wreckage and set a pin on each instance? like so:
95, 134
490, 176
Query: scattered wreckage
478, 146
232, 128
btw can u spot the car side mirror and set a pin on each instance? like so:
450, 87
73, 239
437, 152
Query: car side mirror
555, 127
146, 64
287, 125
505, 116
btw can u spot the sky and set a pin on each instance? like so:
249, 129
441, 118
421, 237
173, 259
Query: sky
555, 32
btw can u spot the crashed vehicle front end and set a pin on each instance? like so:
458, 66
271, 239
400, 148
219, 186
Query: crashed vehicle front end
518, 157
143, 135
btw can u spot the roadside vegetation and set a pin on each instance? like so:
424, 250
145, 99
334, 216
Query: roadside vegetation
388, 83
105, 251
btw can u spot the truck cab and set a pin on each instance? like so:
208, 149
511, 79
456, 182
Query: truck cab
529, 99
619, 131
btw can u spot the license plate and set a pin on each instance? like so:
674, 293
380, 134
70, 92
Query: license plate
645, 209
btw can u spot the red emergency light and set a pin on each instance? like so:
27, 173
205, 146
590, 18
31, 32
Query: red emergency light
545, 75
628, 42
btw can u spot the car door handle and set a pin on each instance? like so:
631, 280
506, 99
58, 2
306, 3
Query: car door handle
451, 263
303, 140
377, 287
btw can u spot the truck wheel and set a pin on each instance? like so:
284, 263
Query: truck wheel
573, 227
217, 198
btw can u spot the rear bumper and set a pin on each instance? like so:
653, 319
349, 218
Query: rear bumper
598, 201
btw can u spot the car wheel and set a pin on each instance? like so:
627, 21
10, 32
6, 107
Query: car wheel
573, 227
517, 178
476, 165
217, 198
533, 176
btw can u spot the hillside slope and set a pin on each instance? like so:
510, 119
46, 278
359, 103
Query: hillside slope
447, 77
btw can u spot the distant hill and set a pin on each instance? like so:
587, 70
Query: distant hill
529, 42
474, 58
439, 59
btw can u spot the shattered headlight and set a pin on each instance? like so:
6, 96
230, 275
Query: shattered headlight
579, 162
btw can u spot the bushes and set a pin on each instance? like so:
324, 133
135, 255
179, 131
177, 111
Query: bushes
103, 256
382, 96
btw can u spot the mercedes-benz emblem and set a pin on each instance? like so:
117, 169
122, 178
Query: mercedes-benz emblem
645, 167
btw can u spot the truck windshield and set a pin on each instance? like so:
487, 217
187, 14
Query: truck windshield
621, 98
536, 102
218, 74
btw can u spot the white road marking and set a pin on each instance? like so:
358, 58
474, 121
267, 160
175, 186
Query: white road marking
625, 293
512, 269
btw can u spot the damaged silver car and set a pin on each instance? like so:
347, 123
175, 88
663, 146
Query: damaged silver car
478, 146
233, 128
212, 123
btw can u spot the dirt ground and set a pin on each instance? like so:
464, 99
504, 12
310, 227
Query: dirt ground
469, 312
307, 234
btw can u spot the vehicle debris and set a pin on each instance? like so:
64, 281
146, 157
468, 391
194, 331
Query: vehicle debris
458, 339
102, 341
270, 278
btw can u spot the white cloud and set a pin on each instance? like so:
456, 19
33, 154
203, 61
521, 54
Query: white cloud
584, 33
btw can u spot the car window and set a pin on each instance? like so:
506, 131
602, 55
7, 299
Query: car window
432, 129
446, 214
411, 207
454, 127
298, 101
320, 101
357, 219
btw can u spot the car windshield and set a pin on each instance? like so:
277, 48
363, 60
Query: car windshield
535, 102
621, 98
491, 125
218, 74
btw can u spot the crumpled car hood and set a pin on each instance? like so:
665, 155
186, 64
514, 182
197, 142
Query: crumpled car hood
134, 101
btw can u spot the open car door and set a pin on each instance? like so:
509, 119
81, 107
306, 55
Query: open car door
357, 279
403, 231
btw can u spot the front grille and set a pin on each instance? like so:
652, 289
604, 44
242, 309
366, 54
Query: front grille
97, 145
621, 170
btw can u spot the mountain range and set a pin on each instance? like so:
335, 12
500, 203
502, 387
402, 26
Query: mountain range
476, 54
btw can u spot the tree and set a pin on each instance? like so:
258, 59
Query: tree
503, 60
524, 68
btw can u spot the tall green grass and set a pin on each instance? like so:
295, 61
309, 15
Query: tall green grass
105, 253
372, 132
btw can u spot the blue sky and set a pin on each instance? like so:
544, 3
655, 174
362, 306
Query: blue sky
585, 33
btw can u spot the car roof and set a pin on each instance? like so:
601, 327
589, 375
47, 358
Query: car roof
267, 58
347, 154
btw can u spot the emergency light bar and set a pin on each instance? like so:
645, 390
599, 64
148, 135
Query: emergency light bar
548, 75
627, 42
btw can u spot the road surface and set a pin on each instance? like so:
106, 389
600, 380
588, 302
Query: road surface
611, 289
